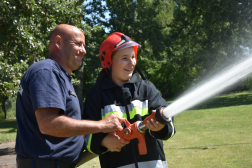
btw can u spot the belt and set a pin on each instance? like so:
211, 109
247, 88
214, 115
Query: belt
42, 163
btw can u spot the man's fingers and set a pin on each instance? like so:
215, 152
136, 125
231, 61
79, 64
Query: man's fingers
121, 119
110, 124
114, 121
117, 120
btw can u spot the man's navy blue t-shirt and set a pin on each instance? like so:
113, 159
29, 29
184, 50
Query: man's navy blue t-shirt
46, 85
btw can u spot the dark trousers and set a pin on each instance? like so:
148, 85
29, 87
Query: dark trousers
42, 163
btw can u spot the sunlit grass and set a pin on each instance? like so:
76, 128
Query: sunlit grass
8, 129
217, 137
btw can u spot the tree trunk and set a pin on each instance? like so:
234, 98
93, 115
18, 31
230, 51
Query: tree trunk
79, 74
4, 108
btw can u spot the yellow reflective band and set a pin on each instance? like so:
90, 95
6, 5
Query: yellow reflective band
117, 113
172, 130
135, 107
137, 110
89, 143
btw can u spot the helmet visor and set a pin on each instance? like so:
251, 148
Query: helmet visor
128, 44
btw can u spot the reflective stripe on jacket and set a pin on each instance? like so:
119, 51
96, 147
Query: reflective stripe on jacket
135, 107
148, 164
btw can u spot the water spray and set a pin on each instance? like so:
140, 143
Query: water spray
215, 85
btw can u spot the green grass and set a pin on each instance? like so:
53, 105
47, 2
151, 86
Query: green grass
94, 163
218, 137
8, 130
215, 134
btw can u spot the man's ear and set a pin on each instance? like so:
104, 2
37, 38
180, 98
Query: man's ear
58, 41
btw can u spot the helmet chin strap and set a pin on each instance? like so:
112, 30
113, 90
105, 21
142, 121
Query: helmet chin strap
110, 73
141, 74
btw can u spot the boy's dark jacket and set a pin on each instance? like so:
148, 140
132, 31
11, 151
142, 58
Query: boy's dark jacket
141, 97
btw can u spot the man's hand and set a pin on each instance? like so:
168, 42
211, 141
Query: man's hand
111, 123
114, 142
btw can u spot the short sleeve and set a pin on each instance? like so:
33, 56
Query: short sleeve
46, 90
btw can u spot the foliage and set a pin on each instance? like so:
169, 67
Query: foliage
24, 37
92, 59
197, 40
209, 35
182, 41
10, 77
27, 26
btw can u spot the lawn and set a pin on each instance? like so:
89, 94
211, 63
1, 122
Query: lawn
8, 130
216, 134
215, 137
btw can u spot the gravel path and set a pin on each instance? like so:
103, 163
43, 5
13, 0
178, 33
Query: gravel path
7, 155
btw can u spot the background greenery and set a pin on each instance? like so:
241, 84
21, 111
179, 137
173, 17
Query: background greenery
183, 41
215, 134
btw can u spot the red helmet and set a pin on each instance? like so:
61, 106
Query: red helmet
115, 41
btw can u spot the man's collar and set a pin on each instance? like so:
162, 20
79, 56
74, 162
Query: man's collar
63, 70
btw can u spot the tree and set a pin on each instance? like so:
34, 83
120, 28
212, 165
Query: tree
209, 35
25, 30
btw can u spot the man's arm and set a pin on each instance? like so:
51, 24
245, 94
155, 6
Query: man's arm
51, 123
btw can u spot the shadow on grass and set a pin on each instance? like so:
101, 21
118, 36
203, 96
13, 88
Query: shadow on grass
7, 151
9, 131
226, 101
212, 146
8, 124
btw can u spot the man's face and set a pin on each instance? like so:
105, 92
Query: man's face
73, 49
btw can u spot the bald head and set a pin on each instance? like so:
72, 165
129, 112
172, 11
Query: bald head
67, 46
65, 31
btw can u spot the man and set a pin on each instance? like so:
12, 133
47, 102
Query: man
50, 132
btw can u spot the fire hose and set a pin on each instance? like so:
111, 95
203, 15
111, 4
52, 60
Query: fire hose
132, 131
